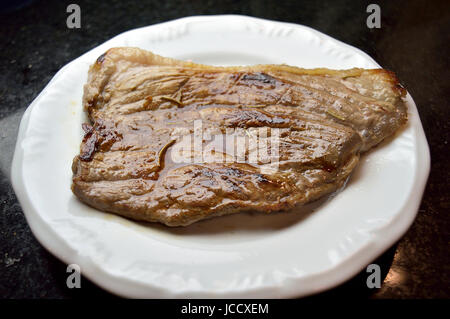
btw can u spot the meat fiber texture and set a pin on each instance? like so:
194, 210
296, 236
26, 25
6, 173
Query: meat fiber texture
176, 142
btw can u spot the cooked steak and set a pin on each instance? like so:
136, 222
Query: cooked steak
272, 136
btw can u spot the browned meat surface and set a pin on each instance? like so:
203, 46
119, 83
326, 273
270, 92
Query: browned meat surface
139, 157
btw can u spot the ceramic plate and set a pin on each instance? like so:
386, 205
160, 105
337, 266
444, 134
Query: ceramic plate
246, 255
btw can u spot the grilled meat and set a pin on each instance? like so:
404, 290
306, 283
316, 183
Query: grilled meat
143, 156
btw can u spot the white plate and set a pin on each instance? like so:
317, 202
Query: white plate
279, 255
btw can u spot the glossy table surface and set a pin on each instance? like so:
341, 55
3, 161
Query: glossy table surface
412, 41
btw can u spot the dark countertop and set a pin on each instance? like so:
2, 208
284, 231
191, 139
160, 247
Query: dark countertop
413, 41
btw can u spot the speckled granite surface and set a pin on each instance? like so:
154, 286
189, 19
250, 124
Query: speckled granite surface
413, 41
